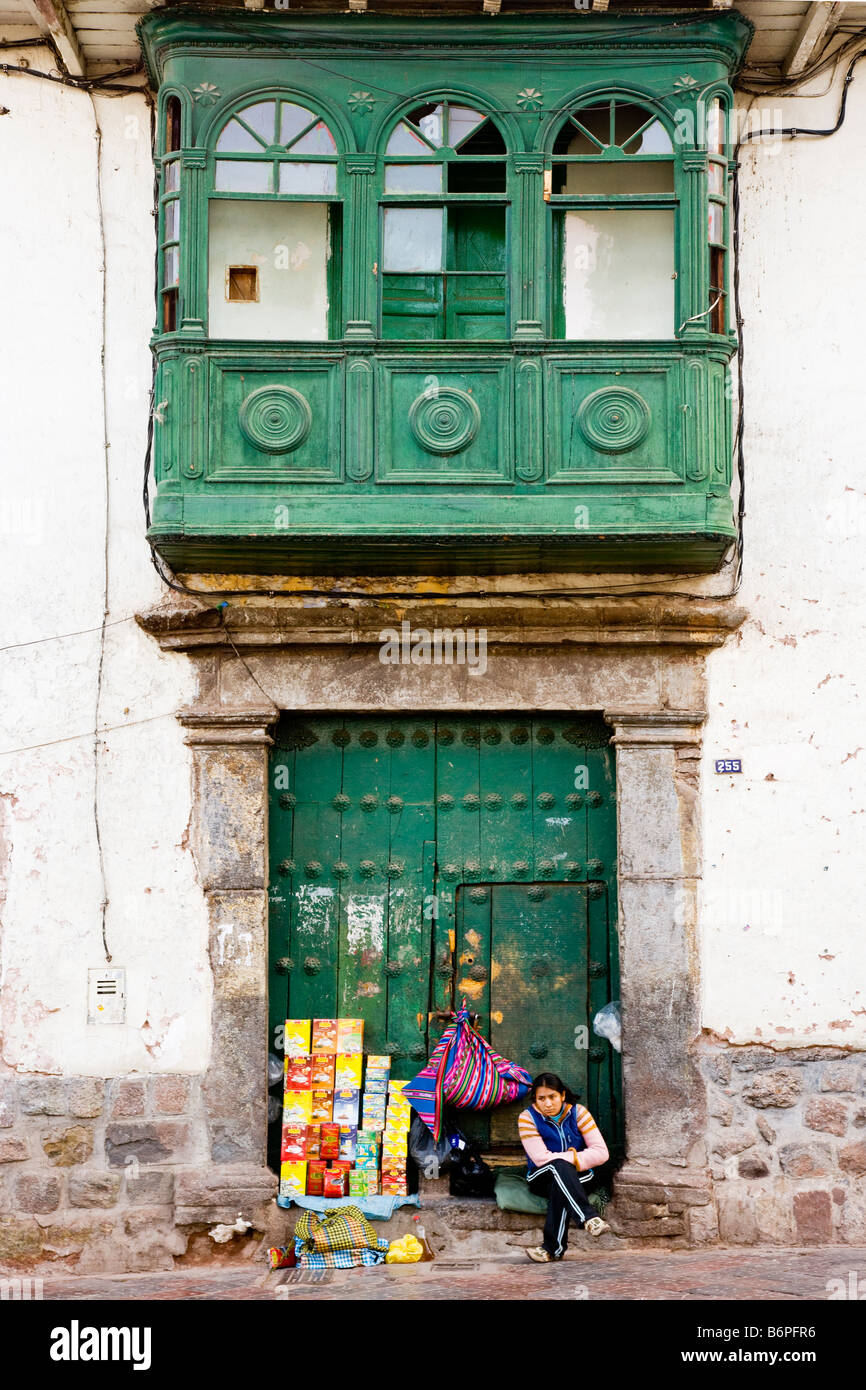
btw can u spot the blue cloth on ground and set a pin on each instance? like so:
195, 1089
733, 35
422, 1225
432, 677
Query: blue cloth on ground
379, 1208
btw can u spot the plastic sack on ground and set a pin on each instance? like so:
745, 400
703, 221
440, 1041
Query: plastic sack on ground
405, 1251
466, 1072
431, 1155
608, 1024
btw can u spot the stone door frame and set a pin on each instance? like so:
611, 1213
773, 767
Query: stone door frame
640, 662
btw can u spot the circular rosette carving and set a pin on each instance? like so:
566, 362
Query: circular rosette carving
614, 419
445, 421
275, 419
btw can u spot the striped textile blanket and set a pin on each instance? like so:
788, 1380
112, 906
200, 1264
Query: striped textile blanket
464, 1071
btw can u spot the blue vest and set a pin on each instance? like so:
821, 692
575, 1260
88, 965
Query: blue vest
558, 1137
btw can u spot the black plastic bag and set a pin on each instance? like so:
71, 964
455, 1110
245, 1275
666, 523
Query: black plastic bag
469, 1175
431, 1155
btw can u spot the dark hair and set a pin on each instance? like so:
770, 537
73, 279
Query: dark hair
551, 1082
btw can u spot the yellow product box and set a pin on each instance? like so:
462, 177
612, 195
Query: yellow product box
394, 1145
323, 1107
350, 1037
293, 1179
297, 1107
347, 1072
296, 1037
397, 1086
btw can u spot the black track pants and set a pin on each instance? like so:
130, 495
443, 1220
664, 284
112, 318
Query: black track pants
560, 1183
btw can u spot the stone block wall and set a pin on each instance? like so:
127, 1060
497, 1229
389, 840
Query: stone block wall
112, 1175
787, 1143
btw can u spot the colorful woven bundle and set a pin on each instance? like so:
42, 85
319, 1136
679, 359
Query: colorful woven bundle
338, 1239
466, 1072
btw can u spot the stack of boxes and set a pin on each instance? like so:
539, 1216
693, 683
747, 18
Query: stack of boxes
324, 1153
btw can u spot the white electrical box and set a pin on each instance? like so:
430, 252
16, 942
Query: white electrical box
106, 996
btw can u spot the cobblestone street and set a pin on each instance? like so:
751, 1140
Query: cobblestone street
728, 1275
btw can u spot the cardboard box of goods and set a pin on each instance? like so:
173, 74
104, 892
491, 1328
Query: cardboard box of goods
348, 1141
369, 1144
345, 1165
297, 1107
323, 1107
366, 1159
390, 1174
397, 1086
322, 1071
336, 1183
379, 1063
348, 1070
346, 1105
367, 1165
316, 1178
324, 1035
293, 1146
393, 1148
350, 1035
297, 1074
398, 1119
394, 1189
329, 1142
296, 1037
293, 1179
372, 1122
373, 1086
314, 1141
360, 1187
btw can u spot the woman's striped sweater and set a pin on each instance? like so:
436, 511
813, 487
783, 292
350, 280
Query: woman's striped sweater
595, 1153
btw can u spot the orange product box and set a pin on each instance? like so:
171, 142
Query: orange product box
350, 1037
323, 1107
324, 1035
322, 1067
336, 1182
314, 1141
293, 1179
316, 1178
294, 1143
297, 1107
347, 1072
296, 1037
344, 1164
297, 1074
330, 1141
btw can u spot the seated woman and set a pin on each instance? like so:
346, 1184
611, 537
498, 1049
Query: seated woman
562, 1142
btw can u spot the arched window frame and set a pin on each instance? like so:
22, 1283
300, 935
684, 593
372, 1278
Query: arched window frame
611, 154
446, 308
715, 136
172, 132
278, 155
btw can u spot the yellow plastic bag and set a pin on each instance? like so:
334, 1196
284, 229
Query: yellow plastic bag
405, 1251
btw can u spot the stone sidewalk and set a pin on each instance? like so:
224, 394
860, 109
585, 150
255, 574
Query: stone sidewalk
736, 1273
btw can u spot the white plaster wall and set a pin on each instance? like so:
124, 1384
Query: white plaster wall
784, 921
52, 519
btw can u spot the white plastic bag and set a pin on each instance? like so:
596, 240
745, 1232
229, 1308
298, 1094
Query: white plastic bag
608, 1024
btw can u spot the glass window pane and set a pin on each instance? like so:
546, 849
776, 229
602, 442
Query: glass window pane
236, 140
171, 220
595, 120
308, 178
717, 224
243, 176
618, 176
413, 178
413, 239
293, 119
261, 117
618, 269
462, 120
319, 140
655, 140
715, 129
170, 266
171, 176
405, 141
717, 179
430, 126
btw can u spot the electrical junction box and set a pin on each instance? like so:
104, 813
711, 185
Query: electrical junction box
106, 996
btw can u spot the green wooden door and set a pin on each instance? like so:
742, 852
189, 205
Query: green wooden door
417, 862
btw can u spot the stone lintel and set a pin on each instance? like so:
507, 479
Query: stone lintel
665, 727
224, 727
